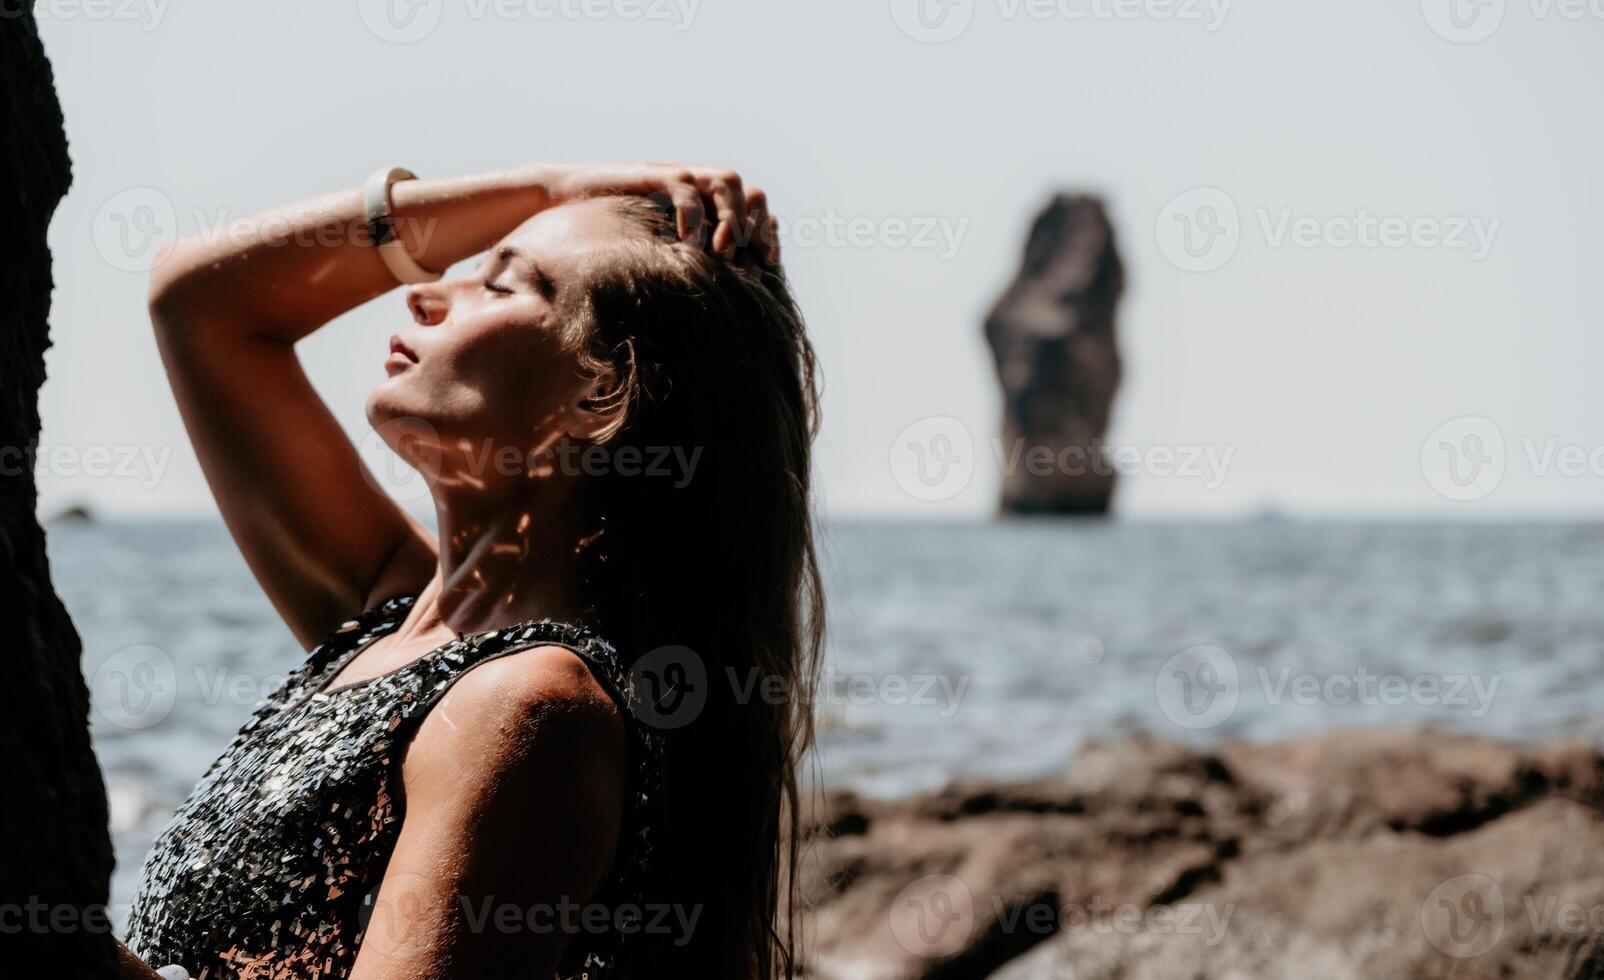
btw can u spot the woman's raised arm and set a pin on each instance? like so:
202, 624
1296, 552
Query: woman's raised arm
320, 535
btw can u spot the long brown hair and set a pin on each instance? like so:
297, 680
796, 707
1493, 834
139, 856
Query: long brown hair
711, 358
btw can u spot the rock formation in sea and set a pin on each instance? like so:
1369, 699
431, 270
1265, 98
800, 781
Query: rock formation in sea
1053, 342
56, 869
1346, 856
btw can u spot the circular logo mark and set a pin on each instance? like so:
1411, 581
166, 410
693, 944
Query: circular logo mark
933, 916
394, 452
932, 21
1089, 647
1463, 459
1199, 230
1198, 687
933, 459
401, 21
136, 687
129, 229
1464, 916
1463, 21
668, 687
400, 908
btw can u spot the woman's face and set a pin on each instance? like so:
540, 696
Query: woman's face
483, 369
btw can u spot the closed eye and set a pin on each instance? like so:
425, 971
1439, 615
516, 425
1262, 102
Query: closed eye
503, 290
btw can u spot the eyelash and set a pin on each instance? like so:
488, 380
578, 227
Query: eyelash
497, 289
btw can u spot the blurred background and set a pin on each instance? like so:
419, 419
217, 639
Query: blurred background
1355, 429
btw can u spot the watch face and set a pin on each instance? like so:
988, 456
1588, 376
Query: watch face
380, 229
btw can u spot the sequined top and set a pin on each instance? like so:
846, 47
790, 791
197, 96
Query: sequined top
270, 868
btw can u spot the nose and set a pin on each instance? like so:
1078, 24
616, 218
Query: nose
428, 304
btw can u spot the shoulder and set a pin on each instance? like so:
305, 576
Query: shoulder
514, 788
538, 713
535, 683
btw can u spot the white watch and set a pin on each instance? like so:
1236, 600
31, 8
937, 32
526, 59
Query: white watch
381, 227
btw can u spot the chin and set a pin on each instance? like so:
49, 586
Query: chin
390, 400
378, 406
405, 429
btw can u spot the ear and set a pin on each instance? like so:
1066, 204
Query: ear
603, 409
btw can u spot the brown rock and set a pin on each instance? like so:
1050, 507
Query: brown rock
1052, 340
1323, 857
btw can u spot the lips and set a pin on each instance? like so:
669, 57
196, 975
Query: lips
397, 346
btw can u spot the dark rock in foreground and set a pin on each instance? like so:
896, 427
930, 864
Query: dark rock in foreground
1052, 340
56, 869
1370, 854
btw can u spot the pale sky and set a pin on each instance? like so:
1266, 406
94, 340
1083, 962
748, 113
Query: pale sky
1418, 237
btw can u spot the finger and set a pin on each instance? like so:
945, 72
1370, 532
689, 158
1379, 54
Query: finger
771, 235
758, 220
729, 203
688, 211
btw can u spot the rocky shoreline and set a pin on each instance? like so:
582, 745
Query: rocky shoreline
1361, 854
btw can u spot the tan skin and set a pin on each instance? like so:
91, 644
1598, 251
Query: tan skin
513, 782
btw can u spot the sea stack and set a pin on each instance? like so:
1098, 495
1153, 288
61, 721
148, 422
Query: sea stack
1053, 341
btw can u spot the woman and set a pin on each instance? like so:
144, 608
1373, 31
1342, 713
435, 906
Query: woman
535, 746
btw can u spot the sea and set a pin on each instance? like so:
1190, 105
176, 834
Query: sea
964, 649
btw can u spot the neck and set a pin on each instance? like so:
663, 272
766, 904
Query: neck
506, 556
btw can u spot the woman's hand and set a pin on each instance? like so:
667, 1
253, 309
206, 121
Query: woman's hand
742, 212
